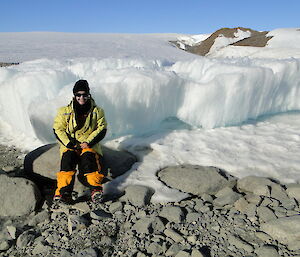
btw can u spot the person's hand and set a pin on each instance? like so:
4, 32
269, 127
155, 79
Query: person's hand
84, 145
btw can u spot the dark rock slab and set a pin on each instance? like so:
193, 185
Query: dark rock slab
43, 163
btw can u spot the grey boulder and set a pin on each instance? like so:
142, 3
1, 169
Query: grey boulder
255, 185
172, 214
18, 196
195, 179
138, 195
285, 230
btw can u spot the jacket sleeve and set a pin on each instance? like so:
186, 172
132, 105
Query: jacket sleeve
60, 126
99, 133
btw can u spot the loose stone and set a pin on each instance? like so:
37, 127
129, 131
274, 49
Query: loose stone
172, 213
267, 251
176, 237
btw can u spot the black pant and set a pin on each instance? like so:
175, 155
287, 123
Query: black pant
89, 167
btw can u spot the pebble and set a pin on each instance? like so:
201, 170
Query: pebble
4, 245
182, 254
8, 168
116, 206
172, 213
12, 230
196, 253
267, 251
265, 214
240, 244
142, 226
100, 215
176, 237
89, 252
25, 239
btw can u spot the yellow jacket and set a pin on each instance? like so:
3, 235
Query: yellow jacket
93, 130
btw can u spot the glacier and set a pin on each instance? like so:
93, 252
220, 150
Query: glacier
139, 95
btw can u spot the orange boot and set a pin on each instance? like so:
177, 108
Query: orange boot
94, 179
65, 181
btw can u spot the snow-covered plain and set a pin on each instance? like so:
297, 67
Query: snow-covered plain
166, 106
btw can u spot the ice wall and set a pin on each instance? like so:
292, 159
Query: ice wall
137, 95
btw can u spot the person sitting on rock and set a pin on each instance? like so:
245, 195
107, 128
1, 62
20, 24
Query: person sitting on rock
79, 127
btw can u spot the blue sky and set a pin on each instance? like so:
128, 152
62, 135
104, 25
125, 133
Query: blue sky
141, 16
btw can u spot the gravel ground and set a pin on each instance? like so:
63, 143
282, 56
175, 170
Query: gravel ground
207, 225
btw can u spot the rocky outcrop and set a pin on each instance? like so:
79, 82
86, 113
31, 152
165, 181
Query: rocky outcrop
233, 220
18, 196
256, 39
5, 64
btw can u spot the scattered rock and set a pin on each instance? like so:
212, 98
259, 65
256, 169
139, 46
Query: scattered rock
253, 184
155, 249
40, 217
286, 229
293, 191
8, 168
173, 249
240, 244
158, 225
267, 251
4, 245
175, 236
100, 215
265, 214
138, 195
172, 214
193, 217
12, 231
196, 253
41, 248
143, 226
277, 192
226, 196
76, 222
115, 206
182, 254
88, 252
82, 206
25, 239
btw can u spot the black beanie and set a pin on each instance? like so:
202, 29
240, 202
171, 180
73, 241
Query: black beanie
81, 85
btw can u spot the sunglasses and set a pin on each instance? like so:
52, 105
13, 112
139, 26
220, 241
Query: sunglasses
84, 95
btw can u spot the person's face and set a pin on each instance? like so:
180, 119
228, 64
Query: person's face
82, 97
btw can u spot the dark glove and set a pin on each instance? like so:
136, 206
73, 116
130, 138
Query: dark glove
72, 144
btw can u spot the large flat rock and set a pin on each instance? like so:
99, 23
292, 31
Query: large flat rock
195, 179
44, 162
